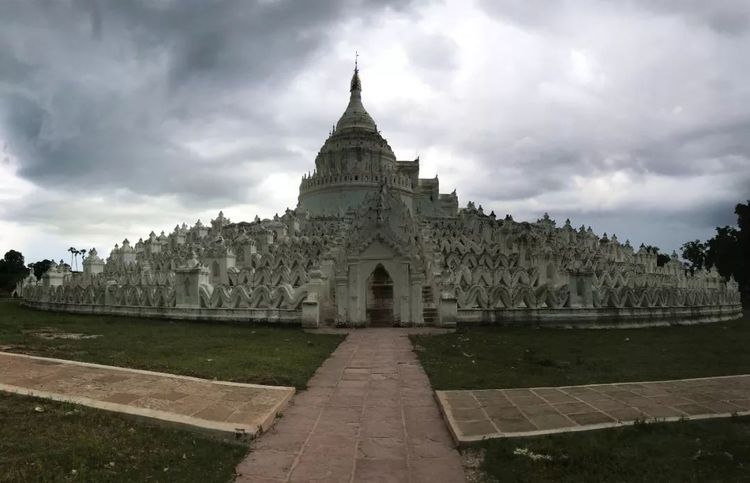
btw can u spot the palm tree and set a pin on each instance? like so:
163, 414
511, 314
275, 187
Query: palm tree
71, 250
77, 252
82, 251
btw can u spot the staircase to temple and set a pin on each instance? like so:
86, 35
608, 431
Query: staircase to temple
429, 311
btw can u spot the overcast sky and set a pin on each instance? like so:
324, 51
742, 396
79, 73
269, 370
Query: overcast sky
121, 117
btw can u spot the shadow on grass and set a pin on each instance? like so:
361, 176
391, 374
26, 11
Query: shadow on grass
42, 440
684, 451
503, 357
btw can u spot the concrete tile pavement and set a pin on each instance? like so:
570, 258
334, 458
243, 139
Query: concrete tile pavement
214, 406
369, 415
495, 413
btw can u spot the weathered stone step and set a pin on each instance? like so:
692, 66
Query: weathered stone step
429, 315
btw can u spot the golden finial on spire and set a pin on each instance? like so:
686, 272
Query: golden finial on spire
356, 58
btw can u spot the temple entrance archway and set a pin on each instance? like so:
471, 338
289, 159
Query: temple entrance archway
380, 298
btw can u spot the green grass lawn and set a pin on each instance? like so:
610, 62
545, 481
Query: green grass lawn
259, 354
66, 442
685, 451
502, 357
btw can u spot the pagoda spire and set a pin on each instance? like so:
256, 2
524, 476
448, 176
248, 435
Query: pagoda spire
355, 116
356, 84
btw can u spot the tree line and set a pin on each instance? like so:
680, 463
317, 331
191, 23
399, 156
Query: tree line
13, 269
728, 250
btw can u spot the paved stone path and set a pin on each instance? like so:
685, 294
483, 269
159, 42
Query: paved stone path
219, 406
495, 413
369, 415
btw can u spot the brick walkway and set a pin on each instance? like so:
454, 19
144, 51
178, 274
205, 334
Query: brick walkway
369, 415
214, 406
496, 413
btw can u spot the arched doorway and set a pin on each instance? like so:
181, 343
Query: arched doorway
380, 298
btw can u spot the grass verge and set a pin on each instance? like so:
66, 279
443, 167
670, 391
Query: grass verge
232, 352
684, 451
502, 357
42, 440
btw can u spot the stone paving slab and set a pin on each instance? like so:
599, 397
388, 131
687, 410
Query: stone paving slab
216, 406
369, 415
498, 413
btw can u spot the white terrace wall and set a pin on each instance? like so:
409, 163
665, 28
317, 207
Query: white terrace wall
190, 297
503, 272
470, 269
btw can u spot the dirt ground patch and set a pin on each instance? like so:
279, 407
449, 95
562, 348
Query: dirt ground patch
51, 333
472, 463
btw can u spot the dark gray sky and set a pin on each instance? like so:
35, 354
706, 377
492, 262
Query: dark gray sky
122, 117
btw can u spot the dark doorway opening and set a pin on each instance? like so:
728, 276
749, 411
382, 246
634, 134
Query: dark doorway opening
380, 298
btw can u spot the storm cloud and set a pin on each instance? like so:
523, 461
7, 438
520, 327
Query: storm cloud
122, 117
